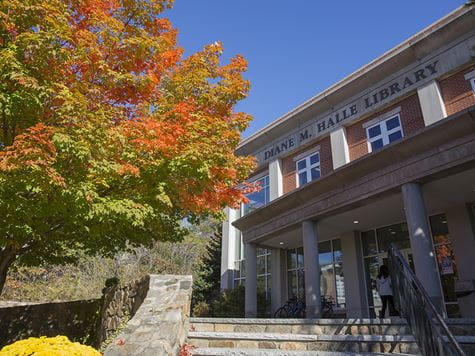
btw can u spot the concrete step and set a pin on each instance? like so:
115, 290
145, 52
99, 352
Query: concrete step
394, 326
202, 351
305, 342
463, 326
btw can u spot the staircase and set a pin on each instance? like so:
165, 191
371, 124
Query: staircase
215, 336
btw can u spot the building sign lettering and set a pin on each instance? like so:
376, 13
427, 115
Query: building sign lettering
357, 108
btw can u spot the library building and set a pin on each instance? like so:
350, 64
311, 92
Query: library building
384, 156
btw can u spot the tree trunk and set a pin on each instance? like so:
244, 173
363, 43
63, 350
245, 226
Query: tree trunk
7, 257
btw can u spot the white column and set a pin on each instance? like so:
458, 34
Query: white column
229, 235
312, 269
339, 145
356, 302
462, 235
421, 242
275, 179
432, 105
277, 278
250, 300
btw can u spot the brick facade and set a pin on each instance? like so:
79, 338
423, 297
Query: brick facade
457, 92
289, 165
411, 120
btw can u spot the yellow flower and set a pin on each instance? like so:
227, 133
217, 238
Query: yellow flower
48, 346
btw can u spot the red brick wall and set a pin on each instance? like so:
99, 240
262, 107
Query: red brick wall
411, 120
457, 92
288, 164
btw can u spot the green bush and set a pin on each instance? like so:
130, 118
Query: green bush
230, 303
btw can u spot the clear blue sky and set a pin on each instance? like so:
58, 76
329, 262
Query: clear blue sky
296, 49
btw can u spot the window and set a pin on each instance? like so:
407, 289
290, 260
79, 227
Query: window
308, 169
472, 83
257, 199
384, 132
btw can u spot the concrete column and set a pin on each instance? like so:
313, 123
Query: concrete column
421, 242
339, 145
462, 236
275, 179
432, 105
229, 236
250, 301
277, 270
356, 302
312, 269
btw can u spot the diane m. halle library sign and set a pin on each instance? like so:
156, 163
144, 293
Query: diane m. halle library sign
412, 77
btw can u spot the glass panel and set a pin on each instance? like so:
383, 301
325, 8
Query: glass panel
374, 131
237, 273
325, 253
368, 240
292, 283
393, 123
243, 268
315, 173
371, 270
395, 233
447, 270
268, 261
300, 257
258, 199
395, 136
301, 282
327, 281
340, 284
261, 284
376, 145
261, 251
440, 231
291, 259
302, 178
314, 159
301, 164
261, 265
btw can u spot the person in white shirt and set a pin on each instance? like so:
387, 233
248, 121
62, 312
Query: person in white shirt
383, 284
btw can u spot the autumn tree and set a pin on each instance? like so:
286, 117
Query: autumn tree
109, 136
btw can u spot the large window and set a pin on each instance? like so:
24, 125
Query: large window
332, 282
384, 132
258, 199
295, 273
446, 262
263, 274
308, 169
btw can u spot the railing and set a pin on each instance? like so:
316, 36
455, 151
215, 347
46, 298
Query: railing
429, 328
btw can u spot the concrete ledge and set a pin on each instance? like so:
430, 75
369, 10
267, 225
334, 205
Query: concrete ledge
346, 322
264, 352
299, 337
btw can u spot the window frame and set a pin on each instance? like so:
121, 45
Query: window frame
308, 167
384, 135
263, 176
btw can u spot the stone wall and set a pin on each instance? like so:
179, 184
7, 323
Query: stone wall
160, 325
87, 321
119, 304
76, 320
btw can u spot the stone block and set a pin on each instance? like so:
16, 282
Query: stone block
224, 327
267, 345
247, 344
222, 343
250, 328
290, 345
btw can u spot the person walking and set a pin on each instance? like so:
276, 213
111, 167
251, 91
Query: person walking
385, 290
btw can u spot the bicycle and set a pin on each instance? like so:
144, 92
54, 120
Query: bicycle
293, 308
326, 305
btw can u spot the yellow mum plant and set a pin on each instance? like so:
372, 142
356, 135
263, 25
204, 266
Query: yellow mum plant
48, 346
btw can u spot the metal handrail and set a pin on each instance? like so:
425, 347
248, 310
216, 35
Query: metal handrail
429, 328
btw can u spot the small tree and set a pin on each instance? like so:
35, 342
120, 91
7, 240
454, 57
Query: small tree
109, 138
